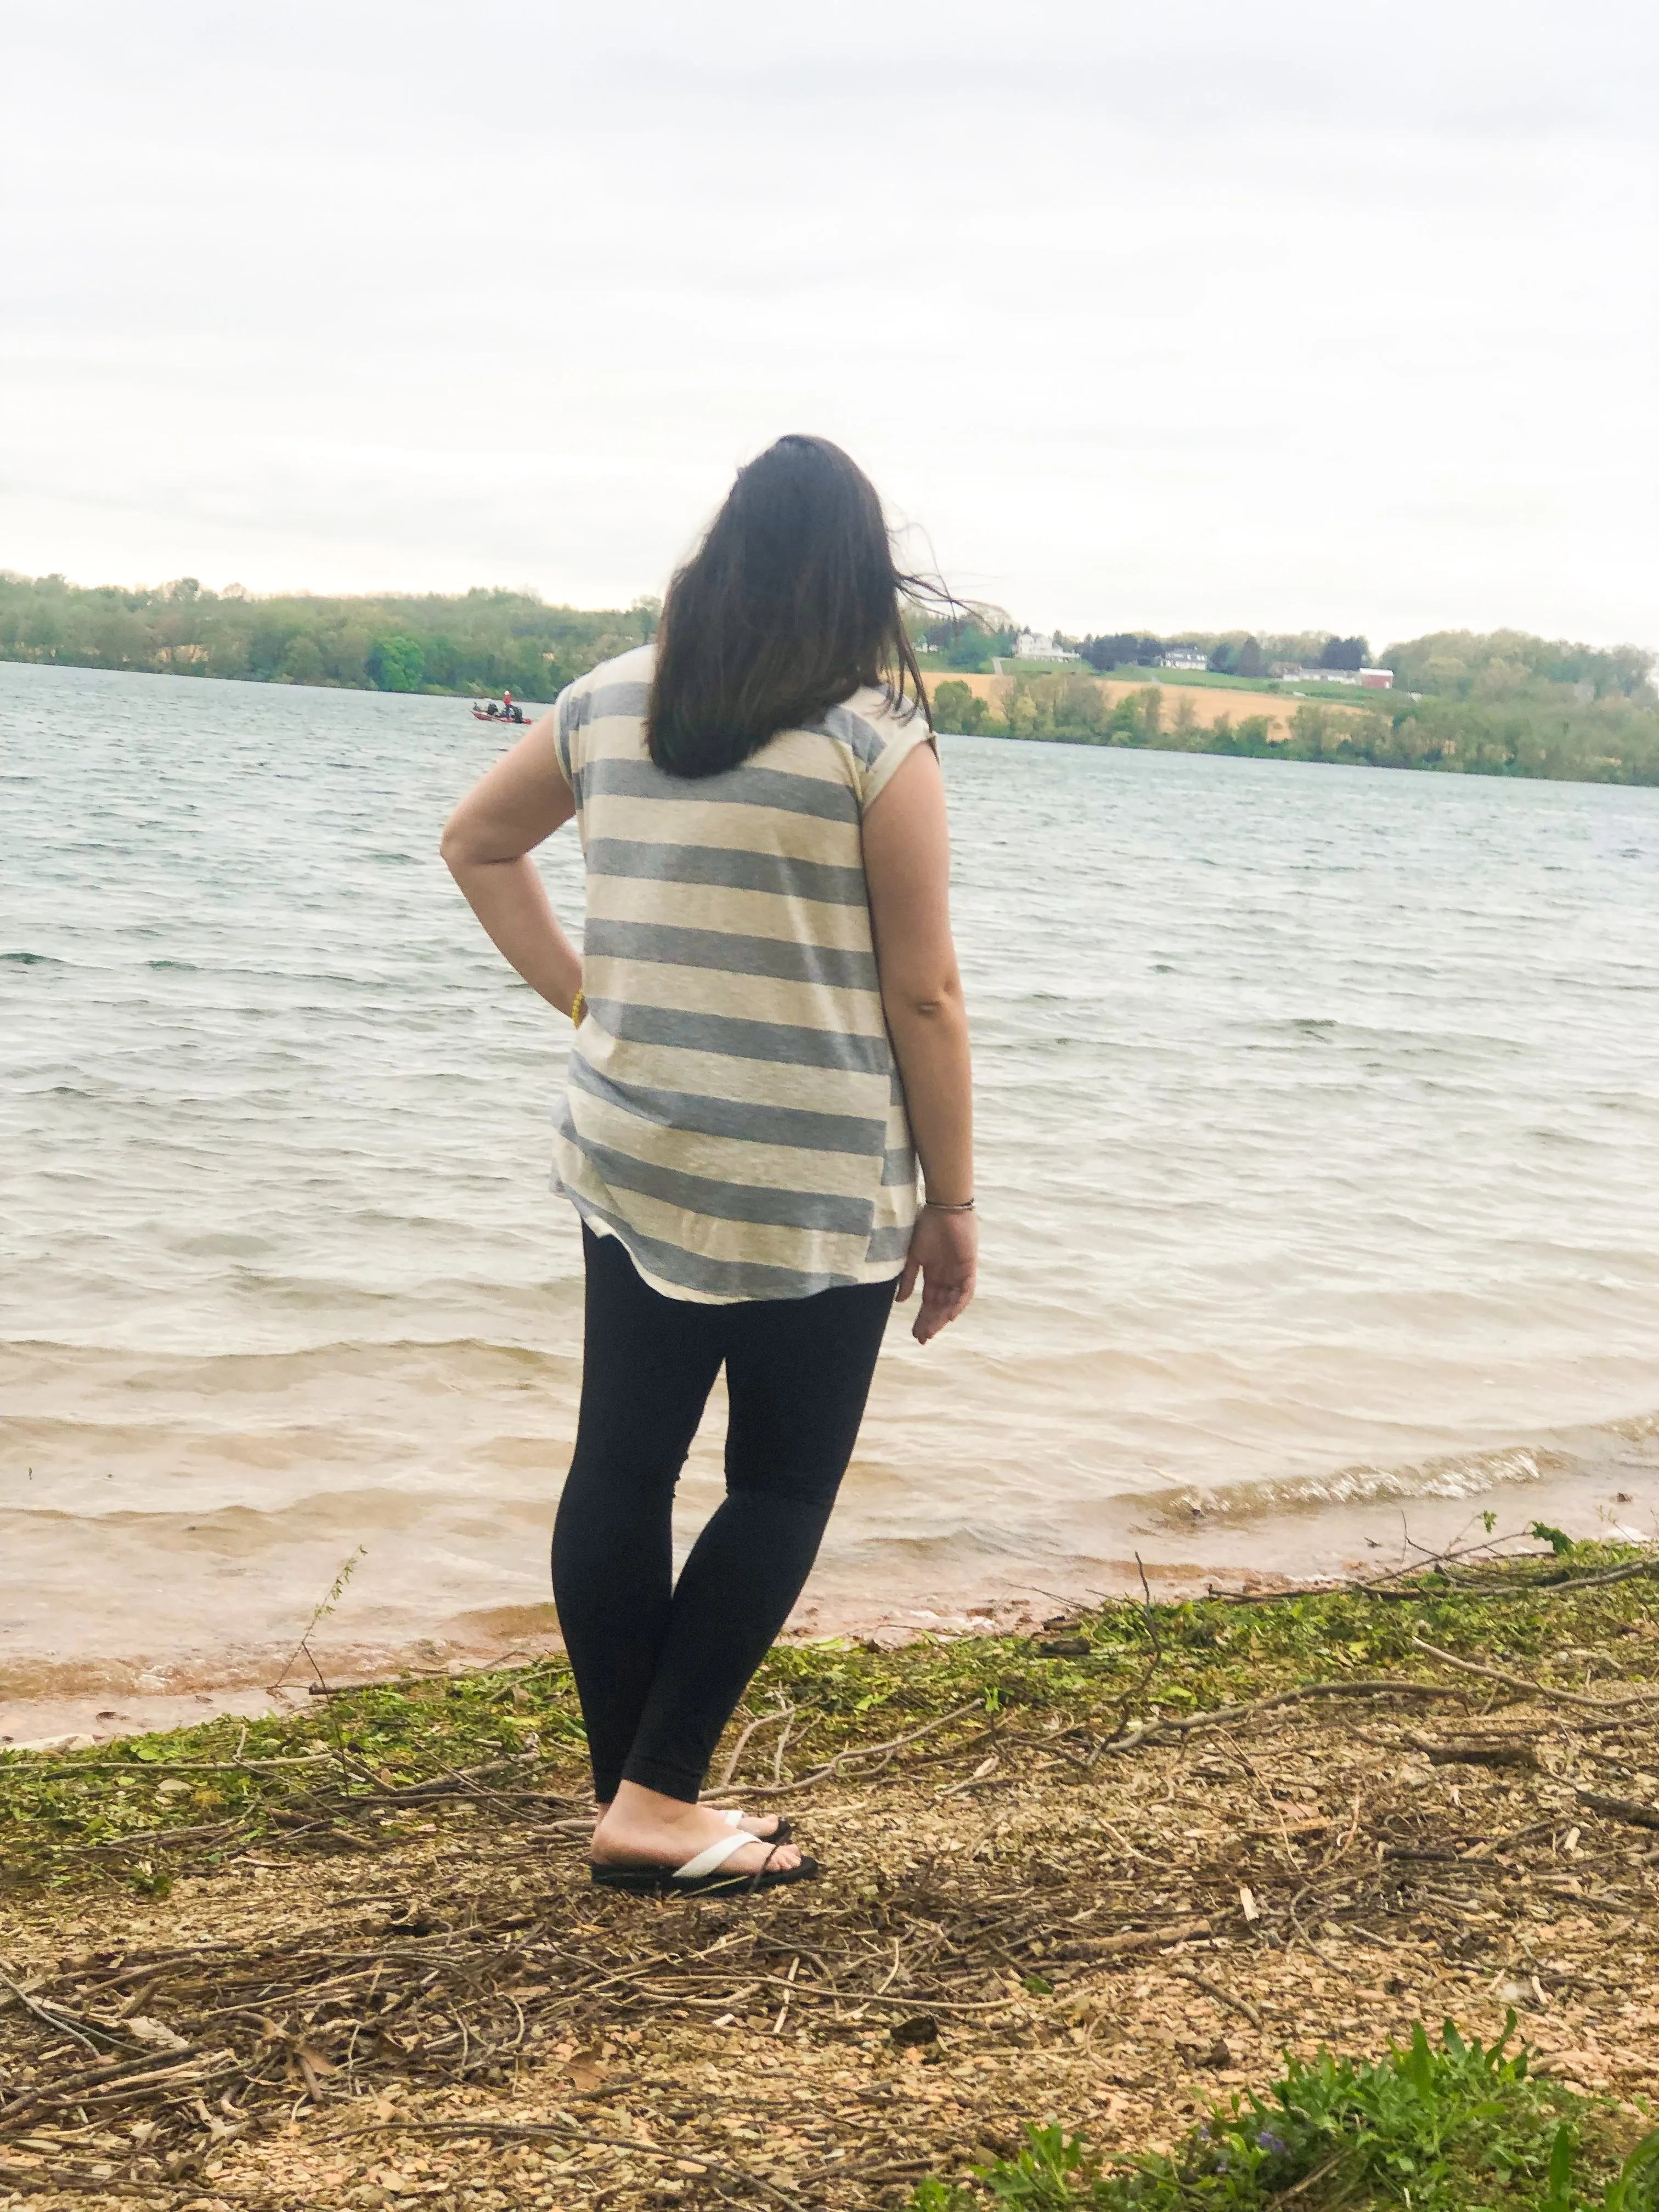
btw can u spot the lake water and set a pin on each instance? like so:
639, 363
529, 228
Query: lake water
1320, 1184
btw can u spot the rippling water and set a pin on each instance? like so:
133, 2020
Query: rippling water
1320, 1175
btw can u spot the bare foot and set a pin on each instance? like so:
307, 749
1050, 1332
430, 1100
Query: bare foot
764, 1825
644, 1828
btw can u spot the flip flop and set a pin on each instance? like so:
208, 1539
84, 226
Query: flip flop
783, 1833
702, 1872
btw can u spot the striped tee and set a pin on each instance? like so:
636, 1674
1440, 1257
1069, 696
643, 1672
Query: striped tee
733, 1112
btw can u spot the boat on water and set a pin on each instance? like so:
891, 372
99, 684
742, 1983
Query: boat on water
505, 711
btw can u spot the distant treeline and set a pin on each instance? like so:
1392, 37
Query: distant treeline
1489, 708
1500, 704
1457, 663
972, 643
478, 642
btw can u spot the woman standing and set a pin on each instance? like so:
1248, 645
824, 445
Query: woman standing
770, 1035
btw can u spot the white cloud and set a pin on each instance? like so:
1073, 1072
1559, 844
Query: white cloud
1202, 314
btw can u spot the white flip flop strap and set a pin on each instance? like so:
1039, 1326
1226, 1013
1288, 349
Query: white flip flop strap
716, 1855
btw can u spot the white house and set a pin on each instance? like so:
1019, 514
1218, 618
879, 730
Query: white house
1184, 656
1035, 645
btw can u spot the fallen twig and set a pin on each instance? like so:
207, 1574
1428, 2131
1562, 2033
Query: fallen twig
1170, 1725
1529, 1688
859, 1752
765, 1719
1223, 1996
1620, 1809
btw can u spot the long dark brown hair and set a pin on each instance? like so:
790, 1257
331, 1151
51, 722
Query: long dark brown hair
792, 603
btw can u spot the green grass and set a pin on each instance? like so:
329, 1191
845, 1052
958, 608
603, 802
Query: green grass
128, 1809
133, 1809
1445, 2126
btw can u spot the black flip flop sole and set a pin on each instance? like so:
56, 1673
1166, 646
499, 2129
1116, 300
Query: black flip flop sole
661, 1882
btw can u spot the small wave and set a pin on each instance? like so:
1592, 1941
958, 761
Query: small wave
345, 1359
1469, 1476
966, 1548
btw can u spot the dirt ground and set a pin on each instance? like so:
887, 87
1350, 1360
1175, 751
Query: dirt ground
1017, 1929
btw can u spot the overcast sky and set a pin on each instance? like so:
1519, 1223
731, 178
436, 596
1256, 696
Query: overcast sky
1215, 312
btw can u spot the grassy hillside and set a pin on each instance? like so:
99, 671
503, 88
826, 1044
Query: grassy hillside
1497, 716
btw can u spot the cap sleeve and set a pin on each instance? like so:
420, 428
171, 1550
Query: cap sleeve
885, 741
567, 719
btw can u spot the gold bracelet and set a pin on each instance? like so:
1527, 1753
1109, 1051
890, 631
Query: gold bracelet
938, 1206
578, 1008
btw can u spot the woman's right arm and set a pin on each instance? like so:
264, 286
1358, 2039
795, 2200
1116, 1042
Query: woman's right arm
487, 844
907, 864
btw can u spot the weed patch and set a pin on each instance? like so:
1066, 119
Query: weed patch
1452, 2126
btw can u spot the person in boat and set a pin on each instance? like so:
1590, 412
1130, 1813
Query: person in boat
493, 710
513, 713
762, 814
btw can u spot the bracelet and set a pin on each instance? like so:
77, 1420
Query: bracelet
578, 1008
938, 1206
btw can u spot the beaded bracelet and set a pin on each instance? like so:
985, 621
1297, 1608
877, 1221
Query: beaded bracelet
578, 1008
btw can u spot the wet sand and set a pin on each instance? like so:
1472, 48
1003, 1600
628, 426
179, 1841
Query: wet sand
46, 1701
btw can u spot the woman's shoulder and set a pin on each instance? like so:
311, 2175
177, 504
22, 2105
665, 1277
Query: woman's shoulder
868, 722
621, 685
618, 690
876, 731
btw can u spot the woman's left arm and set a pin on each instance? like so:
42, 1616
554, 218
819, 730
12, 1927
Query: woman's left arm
487, 844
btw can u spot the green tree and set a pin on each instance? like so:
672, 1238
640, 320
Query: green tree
1251, 661
267, 645
1185, 731
1459, 663
1021, 715
121, 639
397, 663
958, 707
303, 662
346, 652
966, 646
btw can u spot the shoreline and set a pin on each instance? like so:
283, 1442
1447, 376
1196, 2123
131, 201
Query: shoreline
81, 1720
1103, 1876
1182, 1552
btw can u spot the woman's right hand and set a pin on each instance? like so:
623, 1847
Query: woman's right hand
944, 1253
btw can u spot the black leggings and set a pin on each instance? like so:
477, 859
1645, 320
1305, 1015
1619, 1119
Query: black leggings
660, 1666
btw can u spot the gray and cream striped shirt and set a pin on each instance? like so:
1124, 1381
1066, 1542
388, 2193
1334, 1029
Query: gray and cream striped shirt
733, 1112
